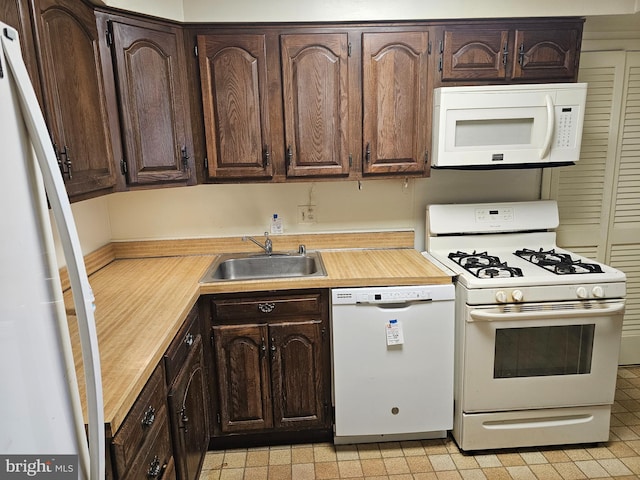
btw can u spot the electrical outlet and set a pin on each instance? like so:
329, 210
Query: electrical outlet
306, 214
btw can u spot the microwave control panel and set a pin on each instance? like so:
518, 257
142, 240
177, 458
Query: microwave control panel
566, 120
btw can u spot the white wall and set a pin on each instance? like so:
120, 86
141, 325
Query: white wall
232, 210
338, 10
343, 10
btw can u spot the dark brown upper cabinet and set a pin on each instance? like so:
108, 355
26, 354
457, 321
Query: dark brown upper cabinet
316, 104
79, 107
396, 125
542, 51
150, 68
476, 54
235, 96
16, 14
546, 53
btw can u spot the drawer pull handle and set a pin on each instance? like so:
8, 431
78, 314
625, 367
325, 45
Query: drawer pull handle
266, 307
149, 416
188, 339
155, 468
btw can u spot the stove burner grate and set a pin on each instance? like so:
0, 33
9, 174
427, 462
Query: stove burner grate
483, 265
557, 262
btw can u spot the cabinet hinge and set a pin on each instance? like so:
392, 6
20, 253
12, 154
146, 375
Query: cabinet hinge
124, 168
109, 33
323, 332
350, 160
195, 50
440, 64
429, 48
206, 163
218, 418
349, 49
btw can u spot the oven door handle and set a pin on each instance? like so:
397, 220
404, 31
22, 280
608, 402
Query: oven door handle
485, 316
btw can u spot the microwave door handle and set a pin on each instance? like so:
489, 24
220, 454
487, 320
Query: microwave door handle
551, 120
483, 316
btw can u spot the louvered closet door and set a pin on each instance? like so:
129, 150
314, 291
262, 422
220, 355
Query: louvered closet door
599, 197
624, 236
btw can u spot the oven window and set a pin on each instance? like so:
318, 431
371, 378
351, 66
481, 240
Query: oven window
543, 351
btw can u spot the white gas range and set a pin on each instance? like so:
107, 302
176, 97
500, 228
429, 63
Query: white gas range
537, 327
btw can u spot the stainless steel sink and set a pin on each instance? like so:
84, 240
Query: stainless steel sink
249, 266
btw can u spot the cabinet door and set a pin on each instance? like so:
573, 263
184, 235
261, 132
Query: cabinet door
297, 373
74, 91
474, 54
396, 124
188, 414
243, 377
150, 67
546, 53
235, 100
315, 97
16, 14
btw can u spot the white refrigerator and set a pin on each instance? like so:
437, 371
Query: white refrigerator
42, 429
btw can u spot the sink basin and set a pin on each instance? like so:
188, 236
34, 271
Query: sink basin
248, 266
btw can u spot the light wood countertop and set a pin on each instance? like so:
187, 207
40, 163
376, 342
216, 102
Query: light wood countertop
142, 302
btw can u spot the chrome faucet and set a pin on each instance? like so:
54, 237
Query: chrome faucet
268, 244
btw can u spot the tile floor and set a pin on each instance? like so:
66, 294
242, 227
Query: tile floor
618, 458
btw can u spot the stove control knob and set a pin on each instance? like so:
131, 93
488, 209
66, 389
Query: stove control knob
517, 295
501, 296
581, 292
597, 292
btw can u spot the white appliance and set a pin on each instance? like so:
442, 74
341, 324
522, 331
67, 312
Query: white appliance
537, 327
41, 419
392, 351
497, 126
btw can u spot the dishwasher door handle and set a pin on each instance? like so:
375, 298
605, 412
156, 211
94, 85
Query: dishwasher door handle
403, 304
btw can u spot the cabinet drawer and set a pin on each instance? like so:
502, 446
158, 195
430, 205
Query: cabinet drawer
264, 307
182, 345
157, 462
147, 416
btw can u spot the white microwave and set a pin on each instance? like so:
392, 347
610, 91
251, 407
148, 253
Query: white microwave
508, 126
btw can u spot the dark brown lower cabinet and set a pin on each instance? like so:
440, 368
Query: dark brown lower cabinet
188, 415
142, 446
188, 399
272, 363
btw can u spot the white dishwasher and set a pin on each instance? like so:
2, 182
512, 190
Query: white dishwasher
392, 353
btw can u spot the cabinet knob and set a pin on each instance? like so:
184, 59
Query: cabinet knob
154, 468
188, 339
149, 416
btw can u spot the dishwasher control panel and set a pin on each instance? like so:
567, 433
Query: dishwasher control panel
399, 294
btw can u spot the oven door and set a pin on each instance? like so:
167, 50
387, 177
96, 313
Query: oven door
541, 355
